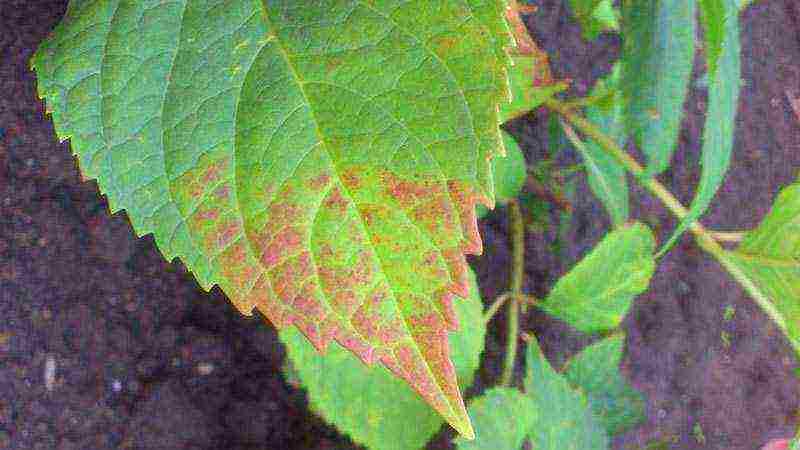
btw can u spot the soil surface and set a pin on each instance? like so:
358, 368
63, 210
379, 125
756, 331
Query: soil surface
104, 345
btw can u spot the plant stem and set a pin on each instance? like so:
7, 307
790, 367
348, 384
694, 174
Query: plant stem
515, 294
492, 310
704, 238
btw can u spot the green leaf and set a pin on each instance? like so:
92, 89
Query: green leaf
769, 256
502, 418
595, 370
318, 160
566, 422
524, 95
606, 177
595, 295
509, 174
552, 415
657, 56
723, 101
595, 16
371, 405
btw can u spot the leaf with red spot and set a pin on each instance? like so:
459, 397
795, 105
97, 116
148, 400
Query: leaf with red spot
318, 160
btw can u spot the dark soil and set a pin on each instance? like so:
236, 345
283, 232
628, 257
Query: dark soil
143, 359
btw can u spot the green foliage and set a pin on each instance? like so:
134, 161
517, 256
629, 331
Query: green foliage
524, 95
722, 30
658, 51
595, 16
606, 177
595, 295
552, 415
502, 418
769, 256
566, 422
509, 173
368, 403
266, 146
595, 370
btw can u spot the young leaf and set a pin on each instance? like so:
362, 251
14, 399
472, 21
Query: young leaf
551, 415
596, 294
595, 16
375, 408
317, 160
509, 174
769, 256
606, 177
503, 418
565, 419
723, 100
658, 50
595, 370
525, 94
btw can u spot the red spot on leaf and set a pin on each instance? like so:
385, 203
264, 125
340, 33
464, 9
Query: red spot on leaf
223, 192
336, 202
213, 172
319, 182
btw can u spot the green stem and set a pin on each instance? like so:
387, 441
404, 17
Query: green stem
515, 294
703, 237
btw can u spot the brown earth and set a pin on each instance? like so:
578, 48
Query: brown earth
144, 359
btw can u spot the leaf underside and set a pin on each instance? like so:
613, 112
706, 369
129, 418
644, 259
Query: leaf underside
657, 57
721, 27
318, 160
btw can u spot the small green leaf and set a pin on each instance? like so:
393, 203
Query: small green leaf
566, 422
769, 256
369, 403
509, 174
595, 370
502, 418
657, 56
606, 177
595, 16
524, 95
723, 101
596, 294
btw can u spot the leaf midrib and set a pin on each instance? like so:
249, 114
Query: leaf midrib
318, 132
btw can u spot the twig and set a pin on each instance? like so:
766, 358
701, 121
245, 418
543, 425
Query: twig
515, 294
542, 191
703, 237
496, 305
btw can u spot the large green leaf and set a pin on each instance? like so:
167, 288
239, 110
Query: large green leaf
657, 56
595, 295
723, 101
503, 418
566, 421
371, 405
769, 257
607, 177
595, 370
318, 160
